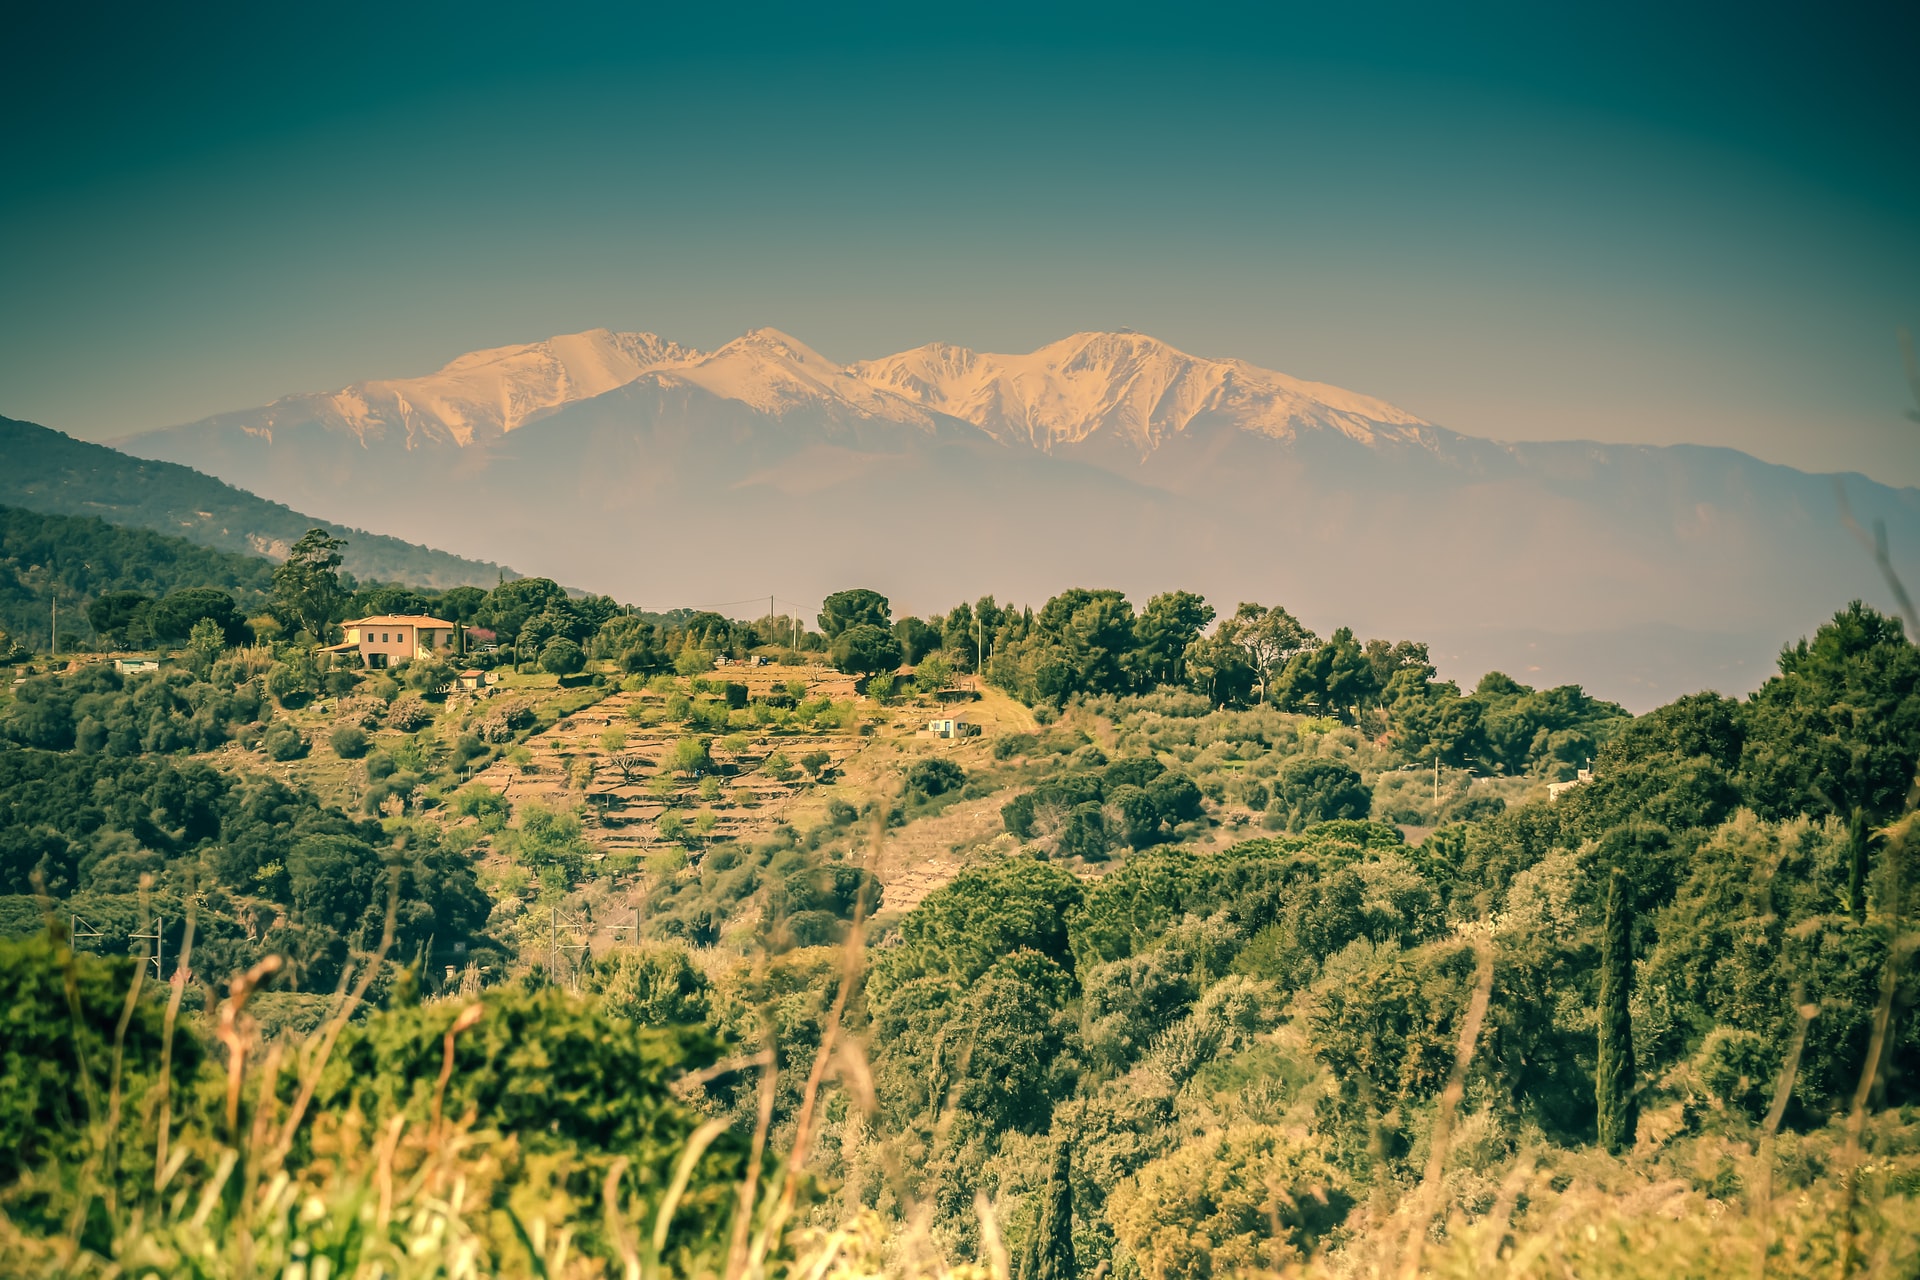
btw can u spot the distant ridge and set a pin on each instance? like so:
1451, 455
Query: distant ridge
43, 470
667, 475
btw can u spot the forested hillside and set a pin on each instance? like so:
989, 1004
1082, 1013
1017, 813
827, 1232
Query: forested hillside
49, 472
1223, 948
79, 559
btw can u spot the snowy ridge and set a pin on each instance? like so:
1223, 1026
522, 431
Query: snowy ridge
1124, 386
1130, 384
482, 394
776, 374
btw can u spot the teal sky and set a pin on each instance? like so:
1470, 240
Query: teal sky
1630, 223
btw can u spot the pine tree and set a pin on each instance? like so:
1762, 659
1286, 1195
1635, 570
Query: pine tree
1857, 864
1056, 1220
1614, 1075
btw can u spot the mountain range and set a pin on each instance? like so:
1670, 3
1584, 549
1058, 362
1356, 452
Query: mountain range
667, 476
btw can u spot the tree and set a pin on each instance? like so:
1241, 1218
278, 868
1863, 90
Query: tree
1614, 1070
1267, 638
864, 650
171, 619
509, 605
1334, 677
1857, 866
1170, 623
933, 675
652, 986
306, 589
844, 610
1247, 1199
1054, 1255
120, 617
206, 639
1310, 790
1840, 725
689, 755
562, 657
916, 638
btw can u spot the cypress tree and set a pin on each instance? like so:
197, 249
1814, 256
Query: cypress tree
1613, 1077
1857, 864
1056, 1220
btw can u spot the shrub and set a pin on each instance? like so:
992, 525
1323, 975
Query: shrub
933, 777
282, 741
1311, 790
408, 715
562, 657
349, 742
1248, 1199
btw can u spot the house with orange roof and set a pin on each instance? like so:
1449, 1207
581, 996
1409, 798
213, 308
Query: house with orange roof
388, 638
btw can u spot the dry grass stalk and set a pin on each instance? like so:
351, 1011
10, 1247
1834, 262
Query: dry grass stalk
164, 1167
1428, 1191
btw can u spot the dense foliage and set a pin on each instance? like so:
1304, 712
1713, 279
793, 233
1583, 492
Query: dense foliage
82, 561
267, 868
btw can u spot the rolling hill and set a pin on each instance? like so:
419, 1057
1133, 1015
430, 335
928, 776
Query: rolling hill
49, 472
1103, 459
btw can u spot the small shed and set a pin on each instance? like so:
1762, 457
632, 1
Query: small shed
472, 679
135, 666
953, 728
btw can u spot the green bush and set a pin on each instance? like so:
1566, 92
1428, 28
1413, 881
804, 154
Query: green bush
282, 741
349, 742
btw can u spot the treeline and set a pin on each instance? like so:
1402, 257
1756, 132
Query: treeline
268, 868
78, 560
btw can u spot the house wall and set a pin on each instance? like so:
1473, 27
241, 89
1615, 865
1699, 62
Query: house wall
399, 643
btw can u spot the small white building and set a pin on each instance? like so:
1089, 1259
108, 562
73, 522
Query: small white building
135, 666
1555, 789
952, 729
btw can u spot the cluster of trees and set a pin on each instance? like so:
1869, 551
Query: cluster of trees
1091, 644
78, 561
269, 868
1654, 937
98, 711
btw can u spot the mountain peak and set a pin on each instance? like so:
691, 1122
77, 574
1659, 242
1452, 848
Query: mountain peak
1125, 383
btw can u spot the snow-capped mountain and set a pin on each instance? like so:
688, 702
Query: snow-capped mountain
475, 397
1129, 385
666, 475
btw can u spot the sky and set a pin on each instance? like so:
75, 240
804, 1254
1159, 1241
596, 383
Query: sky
1621, 222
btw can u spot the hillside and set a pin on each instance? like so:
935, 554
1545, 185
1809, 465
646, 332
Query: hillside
944, 473
75, 559
50, 472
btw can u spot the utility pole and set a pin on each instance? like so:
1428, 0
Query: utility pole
78, 929
157, 938
53, 646
1436, 779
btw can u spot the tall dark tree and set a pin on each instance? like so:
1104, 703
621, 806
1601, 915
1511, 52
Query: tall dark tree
1170, 623
1614, 1072
1055, 1251
865, 650
306, 589
857, 607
